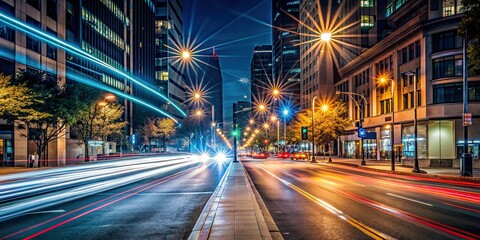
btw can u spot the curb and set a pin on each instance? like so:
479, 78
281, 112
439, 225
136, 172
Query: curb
424, 175
270, 226
202, 227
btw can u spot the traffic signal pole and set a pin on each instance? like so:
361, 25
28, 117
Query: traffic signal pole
235, 132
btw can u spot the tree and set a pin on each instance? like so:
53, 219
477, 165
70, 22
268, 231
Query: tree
146, 132
55, 106
15, 100
186, 132
470, 25
164, 128
329, 124
97, 122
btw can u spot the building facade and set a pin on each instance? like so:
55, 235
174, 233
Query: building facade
169, 77
114, 32
318, 71
421, 52
286, 50
261, 68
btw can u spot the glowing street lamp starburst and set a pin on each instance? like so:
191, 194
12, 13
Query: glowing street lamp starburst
325, 37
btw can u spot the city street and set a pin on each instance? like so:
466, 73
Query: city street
327, 201
150, 197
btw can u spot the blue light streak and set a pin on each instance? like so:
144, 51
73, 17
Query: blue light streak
117, 92
12, 22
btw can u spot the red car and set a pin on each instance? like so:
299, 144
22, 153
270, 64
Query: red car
299, 155
262, 155
283, 155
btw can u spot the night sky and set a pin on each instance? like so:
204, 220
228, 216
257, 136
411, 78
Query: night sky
206, 18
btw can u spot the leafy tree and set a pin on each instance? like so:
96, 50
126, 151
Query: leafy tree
97, 122
329, 124
15, 100
186, 132
147, 132
470, 25
164, 128
54, 108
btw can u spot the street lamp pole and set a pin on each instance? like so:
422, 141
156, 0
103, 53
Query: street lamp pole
278, 136
349, 94
416, 168
466, 161
393, 127
313, 130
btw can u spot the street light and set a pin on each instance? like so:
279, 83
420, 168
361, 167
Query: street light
416, 168
313, 130
349, 94
186, 55
383, 80
325, 37
275, 119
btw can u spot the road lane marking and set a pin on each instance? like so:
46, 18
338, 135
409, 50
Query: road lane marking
159, 193
375, 234
409, 199
48, 211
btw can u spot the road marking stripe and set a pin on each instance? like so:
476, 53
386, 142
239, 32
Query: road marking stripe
360, 226
409, 199
49, 211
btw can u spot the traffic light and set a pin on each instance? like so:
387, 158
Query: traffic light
304, 133
362, 133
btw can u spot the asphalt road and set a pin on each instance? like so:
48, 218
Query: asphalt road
329, 201
154, 198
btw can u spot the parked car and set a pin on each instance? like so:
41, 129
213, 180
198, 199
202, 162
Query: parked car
299, 155
283, 155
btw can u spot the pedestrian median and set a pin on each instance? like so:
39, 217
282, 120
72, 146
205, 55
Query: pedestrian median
235, 211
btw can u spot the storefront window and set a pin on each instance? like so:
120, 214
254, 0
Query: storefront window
441, 140
409, 144
385, 144
370, 147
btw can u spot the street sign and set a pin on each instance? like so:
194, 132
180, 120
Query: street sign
370, 135
362, 133
304, 133
467, 119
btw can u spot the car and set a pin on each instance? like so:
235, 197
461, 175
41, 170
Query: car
283, 155
262, 155
254, 154
299, 155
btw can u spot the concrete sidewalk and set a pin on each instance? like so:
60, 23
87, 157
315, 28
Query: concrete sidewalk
233, 212
385, 166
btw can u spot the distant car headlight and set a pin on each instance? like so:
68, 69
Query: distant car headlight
204, 157
220, 157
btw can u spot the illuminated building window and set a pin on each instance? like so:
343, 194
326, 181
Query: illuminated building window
451, 7
367, 21
367, 3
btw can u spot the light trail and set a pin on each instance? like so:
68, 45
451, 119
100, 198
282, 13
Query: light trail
375, 234
33, 191
12, 22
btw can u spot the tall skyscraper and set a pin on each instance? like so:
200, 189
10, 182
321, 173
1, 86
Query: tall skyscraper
143, 57
286, 51
169, 34
261, 69
212, 78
